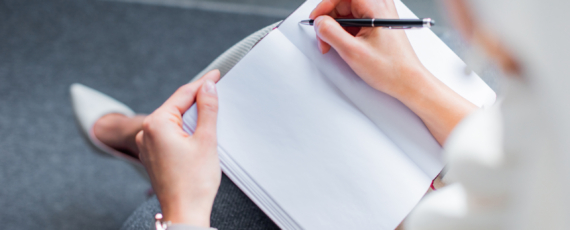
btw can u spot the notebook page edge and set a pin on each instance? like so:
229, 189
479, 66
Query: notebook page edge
244, 181
236, 86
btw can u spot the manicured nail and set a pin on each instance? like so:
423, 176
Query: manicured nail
209, 87
319, 45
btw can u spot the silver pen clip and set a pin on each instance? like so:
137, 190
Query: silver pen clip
401, 27
427, 23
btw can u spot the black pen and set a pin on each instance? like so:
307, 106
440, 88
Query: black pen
380, 22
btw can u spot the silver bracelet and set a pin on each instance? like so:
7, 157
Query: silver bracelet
159, 224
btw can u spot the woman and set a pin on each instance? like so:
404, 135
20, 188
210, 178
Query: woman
487, 174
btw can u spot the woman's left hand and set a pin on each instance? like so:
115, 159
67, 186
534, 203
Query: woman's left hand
184, 169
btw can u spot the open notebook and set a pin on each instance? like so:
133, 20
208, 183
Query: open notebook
314, 146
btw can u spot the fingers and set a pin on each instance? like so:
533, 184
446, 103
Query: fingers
207, 103
343, 9
140, 145
323, 46
331, 33
213, 75
139, 138
184, 97
333, 8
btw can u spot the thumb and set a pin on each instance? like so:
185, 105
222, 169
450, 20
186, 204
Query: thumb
184, 97
207, 103
330, 32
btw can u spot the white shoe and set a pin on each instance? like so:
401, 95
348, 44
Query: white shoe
89, 105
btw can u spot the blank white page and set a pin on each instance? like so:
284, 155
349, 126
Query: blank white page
308, 147
397, 121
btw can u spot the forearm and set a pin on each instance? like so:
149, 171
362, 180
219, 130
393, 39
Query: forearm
439, 107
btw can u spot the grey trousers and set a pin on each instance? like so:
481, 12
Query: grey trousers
232, 208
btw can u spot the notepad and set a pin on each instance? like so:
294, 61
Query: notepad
314, 146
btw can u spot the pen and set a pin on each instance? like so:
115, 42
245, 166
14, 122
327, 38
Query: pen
379, 22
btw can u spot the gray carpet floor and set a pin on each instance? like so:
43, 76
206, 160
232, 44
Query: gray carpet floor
50, 178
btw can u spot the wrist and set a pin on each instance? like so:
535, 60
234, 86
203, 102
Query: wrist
184, 212
413, 83
439, 107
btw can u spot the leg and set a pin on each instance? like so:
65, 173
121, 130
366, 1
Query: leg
119, 131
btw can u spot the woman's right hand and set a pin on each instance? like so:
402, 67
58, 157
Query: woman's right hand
382, 58
386, 61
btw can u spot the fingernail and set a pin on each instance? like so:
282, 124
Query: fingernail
209, 87
319, 45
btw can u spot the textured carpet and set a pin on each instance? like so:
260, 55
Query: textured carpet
50, 177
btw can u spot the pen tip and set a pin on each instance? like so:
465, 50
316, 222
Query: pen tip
306, 22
